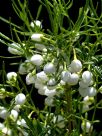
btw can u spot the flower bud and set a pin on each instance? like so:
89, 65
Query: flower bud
49, 68
20, 99
37, 59
75, 66
36, 37
37, 23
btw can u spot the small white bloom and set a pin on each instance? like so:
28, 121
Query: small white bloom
49, 101
14, 114
83, 91
65, 76
39, 84
37, 23
59, 120
41, 91
91, 91
25, 67
15, 49
37, 59
17, 107
49, 68
7, 131
88, 100
2, 126
3, 113
20, 99
22, 123
51, 82
86, 126
42, 77
76, 66
85, 108
36, 37
73, 80
30, 79
50, 93
85, 84
40, 47
11, 76
87, 76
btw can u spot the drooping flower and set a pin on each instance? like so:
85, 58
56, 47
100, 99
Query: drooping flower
86, 126
20, 99
49, 68
37, 23
73, 80
15, 49
75, 66
36, 37
37, 59
87, 76
30, 79
12, 76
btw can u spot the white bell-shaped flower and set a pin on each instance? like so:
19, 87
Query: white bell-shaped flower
91, 91
14, 114
37, 59
83, 91
86, 126
51, 82
12, 76
7, 131
40, 47
42, 77
3, 113
65, 76
36, 37
75, 66
50, 93
37, 23
49, 68
30, 79
85, 84
73, 80
20, 99
87, 76
49, 101
15, 49
59, 120
1, 126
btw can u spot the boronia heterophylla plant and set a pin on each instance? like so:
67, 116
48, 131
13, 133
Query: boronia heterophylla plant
63, 63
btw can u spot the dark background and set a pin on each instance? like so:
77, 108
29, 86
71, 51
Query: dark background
7, 12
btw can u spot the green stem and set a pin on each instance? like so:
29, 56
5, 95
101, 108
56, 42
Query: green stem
69, 109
